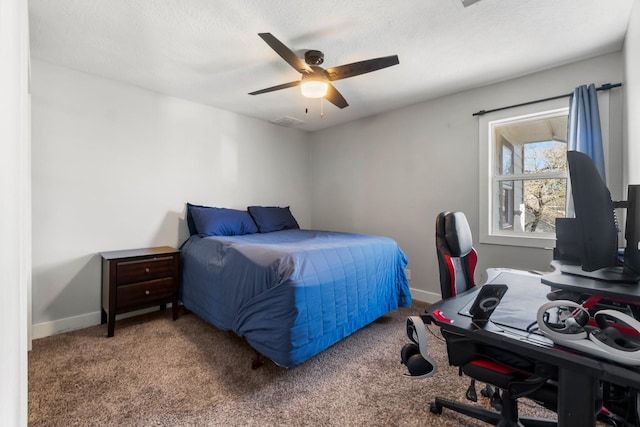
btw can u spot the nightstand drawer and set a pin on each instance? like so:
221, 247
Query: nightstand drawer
140, 294
144, 269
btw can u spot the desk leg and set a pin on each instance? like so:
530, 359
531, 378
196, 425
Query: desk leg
576, 399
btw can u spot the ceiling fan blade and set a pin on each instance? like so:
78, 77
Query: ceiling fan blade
362, 67
335, 97
287, 54
272, 88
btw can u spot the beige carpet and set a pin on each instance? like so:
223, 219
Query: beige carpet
157, 372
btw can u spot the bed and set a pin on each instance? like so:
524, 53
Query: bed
291, 293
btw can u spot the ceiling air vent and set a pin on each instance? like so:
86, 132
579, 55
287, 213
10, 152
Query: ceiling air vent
287, 121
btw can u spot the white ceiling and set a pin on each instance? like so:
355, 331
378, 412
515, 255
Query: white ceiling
208, 51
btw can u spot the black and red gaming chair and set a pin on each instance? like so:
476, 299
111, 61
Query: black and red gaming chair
457, 258
457, 261
513, 374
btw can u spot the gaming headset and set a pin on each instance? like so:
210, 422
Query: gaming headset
415, 355
565, 323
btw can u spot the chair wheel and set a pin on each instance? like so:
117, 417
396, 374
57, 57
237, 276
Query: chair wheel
435, 408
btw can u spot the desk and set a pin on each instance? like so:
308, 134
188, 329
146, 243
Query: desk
557, 279
578, 374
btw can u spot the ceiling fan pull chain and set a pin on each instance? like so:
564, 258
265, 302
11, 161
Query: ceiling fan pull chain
321, 108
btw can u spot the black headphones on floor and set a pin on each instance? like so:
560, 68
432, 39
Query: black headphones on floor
415, 355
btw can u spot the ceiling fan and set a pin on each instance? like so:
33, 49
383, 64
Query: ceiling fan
315, 81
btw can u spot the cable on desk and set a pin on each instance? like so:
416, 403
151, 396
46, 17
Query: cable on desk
530, 326
433, 333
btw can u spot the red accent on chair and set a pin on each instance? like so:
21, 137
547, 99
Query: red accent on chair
473, 261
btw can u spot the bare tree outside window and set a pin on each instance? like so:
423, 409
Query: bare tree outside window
544, 199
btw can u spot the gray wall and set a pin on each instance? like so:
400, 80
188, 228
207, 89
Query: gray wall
113, 166
393, 173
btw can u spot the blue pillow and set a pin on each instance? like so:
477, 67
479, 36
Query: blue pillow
190, 224
221, 221
271, 218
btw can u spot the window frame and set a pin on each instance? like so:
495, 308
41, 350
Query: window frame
506, 193
487, 154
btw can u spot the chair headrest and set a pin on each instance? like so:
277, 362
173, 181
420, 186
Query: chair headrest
453, 235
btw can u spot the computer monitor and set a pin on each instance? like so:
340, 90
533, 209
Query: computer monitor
591, 238
632, 231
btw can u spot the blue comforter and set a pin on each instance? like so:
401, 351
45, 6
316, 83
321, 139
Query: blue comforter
293, 293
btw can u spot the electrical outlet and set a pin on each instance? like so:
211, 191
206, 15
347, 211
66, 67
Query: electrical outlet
406, 270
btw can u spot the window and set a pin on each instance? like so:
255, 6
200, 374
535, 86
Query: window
523, 177
522, 182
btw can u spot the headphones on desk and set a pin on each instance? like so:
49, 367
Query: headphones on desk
566, 324
415, 355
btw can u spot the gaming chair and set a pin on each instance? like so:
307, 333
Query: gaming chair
457, 258
515, 375
457, 261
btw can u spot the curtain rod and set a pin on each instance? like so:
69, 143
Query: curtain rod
605, 86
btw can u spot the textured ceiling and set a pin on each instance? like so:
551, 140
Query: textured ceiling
208, 51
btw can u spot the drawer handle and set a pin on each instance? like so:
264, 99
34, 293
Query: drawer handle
147, 292
146, 270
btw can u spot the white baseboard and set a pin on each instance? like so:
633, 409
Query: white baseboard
68, 324
45, 329
425, 296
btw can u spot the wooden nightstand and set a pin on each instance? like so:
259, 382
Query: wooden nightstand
138, 278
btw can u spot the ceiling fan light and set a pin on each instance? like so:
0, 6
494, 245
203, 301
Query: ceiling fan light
314, 88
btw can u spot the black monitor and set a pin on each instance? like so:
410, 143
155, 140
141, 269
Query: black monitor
632, 231
591, 238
